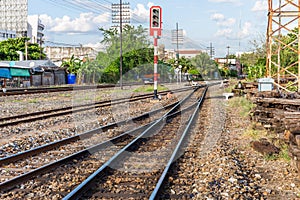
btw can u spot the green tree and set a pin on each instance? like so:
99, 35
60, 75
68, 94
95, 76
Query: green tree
132, 39
72, 64
132, 60
9, 48
90, 72
186, 64
135, 48
204, 65
254, 62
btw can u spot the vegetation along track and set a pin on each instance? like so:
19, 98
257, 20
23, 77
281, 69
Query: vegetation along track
73, 169
34, 116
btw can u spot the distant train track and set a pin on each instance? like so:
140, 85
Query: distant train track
24, 91
34, 116
37, 90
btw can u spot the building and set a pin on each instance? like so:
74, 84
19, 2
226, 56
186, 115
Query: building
231, 62
58, 53
35, 29
187, 53
4, 35
13, 17
15, 21
31, 73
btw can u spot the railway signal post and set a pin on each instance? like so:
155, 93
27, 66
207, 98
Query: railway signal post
155, 31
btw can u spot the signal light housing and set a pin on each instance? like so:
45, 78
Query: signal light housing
155, 20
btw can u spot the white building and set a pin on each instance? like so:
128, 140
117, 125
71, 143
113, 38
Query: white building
13, 16
35, 29
13, 19
4, 35
187, 53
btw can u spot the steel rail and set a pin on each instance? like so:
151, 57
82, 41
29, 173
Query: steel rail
24, 91
84, 186
87, 134
70, 109
4, 186
158, 187
7, 185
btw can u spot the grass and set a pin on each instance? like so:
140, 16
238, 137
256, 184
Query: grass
254, 133
242, 105
65, 95
16, 101
283, 155
149, 88
33, 101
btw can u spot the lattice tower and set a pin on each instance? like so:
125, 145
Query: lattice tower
283, 20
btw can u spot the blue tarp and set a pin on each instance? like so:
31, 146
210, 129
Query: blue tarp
4, 73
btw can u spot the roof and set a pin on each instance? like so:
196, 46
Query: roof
190, 51
10, 64
29, 64
4, 73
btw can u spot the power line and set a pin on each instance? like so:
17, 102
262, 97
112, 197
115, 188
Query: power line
90, 6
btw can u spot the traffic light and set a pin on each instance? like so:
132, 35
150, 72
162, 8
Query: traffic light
155, 17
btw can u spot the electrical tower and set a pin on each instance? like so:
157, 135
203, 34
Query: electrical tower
13, 16
177, 38
120, 14
283, 19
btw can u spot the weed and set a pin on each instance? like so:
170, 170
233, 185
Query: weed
16, 101
149, 88
242, 105
271, 157
65, 95
254, 134
284, 153
33, 101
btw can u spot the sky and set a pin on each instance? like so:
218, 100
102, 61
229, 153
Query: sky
227, 25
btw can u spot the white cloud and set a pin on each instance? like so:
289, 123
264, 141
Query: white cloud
224, 32
140, 13
236, 2
228, 22
97, 46
260, 6
217, 17
222, 21
86, 22
245, 31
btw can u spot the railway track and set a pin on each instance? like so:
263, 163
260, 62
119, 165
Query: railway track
64, 147
34, 116
25, 91
85, 157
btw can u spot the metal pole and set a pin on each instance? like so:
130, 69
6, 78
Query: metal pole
298, 46
121, 57
177, 55
155, 64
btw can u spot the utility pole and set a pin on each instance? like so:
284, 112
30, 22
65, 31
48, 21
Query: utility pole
227, 57
211, 51
228, 47
26, 50
121, 44
177, 38
121, 16
177, 52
